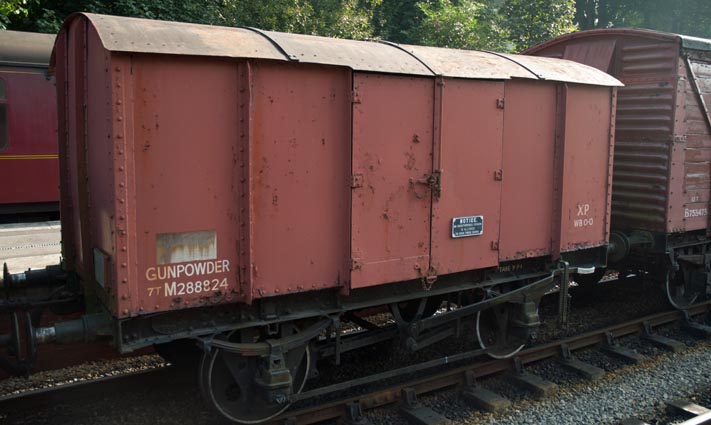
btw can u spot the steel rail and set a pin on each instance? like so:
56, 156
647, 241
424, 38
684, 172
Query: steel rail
456, 375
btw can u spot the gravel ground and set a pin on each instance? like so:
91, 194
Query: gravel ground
625, 392
83, 372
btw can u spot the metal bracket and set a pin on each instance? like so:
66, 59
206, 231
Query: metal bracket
337, 328
356, 181
409, 398
565, 352
355, 96
354, 414
563, 296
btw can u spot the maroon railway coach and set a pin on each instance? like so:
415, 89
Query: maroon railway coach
251, 190
29, 169
661, 179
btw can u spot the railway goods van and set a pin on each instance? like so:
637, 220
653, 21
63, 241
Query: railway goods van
252, 191
29, 169
661, 179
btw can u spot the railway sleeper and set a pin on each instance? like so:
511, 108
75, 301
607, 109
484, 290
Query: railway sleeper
481, 398
537, 386
612, 348
354, 415
661, 341
416, 413
586, 370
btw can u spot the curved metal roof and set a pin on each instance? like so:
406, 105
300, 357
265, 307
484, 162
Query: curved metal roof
122, 34
686, 41
25, 48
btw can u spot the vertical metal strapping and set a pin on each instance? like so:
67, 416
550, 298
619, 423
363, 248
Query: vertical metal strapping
436, 159
696, 86
557, 218
120, 65
246, 274
611, 153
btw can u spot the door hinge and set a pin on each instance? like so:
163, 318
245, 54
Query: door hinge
499, 175
500, 103
356, 181
355, 96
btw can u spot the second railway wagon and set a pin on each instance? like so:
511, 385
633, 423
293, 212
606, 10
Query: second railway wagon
251, 190
661, 178
29, 169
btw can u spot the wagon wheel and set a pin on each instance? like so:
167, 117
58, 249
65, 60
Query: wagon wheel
679, 290
496, 333
228, 381
683, 287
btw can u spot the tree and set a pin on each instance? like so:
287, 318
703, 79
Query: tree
397, 20
466, 24
47, 15
10, 9
533, 21
691, 17
331, 18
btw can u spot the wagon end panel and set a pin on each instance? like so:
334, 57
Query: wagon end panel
392, 178
177, 134
587, 151
696, 127
646, 112
100, 221
61, 75
465, 220
300, 198
528, 165
71, 71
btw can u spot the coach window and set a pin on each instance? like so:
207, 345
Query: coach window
4, 133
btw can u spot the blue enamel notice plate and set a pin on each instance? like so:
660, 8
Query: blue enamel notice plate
467, 226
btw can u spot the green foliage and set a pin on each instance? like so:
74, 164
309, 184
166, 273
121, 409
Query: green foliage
466, 24
533, 21
47, 15
691, 17
331, 18
398, 20
10, 9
